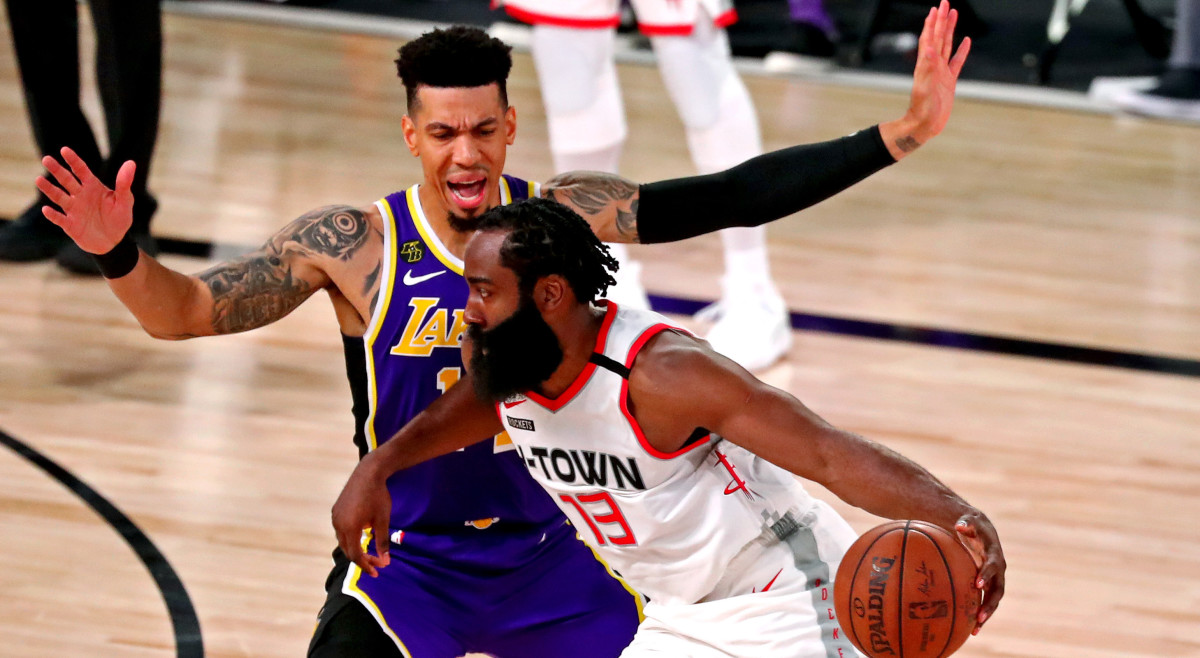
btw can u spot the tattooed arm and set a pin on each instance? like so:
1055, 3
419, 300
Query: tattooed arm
250, 291
779, 183
608, 202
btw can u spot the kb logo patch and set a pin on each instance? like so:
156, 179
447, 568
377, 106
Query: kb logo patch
412, 251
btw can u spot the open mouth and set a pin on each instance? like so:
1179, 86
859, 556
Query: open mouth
469, 193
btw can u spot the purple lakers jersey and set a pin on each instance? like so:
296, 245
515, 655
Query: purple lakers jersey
410, 356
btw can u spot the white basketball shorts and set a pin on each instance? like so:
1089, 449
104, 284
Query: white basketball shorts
654, 17
776, 601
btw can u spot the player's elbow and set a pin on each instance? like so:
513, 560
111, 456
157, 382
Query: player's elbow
171, 331
166, 335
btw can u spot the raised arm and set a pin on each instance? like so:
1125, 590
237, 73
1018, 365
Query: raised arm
663, 386
455, 420
777, 184
248, 292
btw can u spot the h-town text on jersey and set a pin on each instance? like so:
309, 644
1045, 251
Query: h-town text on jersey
584, 466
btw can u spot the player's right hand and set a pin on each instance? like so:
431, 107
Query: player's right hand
979, 536
364, 504
92, 215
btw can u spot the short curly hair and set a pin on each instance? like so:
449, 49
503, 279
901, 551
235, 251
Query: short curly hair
545, 237
458, 56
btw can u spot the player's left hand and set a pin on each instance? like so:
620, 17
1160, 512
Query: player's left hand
977, 533
936, 74
364, 504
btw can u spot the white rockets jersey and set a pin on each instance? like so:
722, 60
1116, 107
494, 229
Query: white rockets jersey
668, 523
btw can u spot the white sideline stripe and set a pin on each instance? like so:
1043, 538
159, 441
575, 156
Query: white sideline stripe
518, 36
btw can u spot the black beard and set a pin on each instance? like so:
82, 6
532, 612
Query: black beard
515, 356
461, 224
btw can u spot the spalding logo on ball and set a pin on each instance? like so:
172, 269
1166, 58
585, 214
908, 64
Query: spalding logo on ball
906, 589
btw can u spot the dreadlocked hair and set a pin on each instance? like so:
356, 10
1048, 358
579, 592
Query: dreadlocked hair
458, 56
546, 237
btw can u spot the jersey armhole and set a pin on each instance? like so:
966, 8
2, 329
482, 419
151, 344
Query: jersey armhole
693, 441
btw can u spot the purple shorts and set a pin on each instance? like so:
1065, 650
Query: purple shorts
510, 594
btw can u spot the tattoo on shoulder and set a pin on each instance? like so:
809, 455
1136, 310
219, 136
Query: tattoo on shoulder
907, 144
262, 287
336, 231
592, 192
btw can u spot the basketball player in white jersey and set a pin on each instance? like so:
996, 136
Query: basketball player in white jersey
672, 462
573, 43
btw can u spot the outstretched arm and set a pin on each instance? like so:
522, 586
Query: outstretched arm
778, 428
455, 420
248, 292
776, 184
934, 81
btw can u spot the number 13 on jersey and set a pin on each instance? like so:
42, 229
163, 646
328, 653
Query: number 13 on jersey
601, 509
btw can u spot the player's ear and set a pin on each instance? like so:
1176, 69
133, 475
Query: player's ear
409, 128
510, 125
550, 293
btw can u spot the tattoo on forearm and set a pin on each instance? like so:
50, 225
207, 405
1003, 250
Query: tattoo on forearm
907, 144
252, 292
627, 221
260, 288
593, 192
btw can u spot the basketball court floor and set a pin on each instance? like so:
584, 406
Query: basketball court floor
1017, 307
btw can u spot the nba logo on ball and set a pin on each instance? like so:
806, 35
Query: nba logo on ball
906, 589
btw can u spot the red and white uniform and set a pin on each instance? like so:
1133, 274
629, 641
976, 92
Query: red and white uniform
655, 17
735, 557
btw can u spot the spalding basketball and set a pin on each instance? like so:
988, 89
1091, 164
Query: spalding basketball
906, 589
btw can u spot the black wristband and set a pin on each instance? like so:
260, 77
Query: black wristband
760, 190
120, 260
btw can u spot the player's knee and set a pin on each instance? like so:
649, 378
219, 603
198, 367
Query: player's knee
584, 112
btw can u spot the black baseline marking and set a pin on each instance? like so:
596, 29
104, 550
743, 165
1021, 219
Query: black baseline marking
1156, 363
961, 340
188, 642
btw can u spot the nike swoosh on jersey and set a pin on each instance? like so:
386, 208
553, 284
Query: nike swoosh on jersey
772, 582
410, 280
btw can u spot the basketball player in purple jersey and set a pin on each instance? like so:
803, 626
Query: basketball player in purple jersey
482, 559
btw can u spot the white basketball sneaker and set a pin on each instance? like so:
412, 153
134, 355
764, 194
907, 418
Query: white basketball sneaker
751, 324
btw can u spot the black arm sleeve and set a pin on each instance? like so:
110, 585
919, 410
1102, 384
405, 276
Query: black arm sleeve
760, 190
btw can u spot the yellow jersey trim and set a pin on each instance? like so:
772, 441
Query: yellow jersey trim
505, 192
637, 597
350, 587
452, 262
379, 313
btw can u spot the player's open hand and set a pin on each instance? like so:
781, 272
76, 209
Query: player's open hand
92, 215
936, 75
364, 504
977, 533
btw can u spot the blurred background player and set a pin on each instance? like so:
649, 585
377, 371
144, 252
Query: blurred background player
573, 51
1176, 93
129, 74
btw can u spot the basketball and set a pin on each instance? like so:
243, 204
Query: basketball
906, 589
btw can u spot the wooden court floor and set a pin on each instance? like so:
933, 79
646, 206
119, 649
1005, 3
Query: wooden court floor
1052, 227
